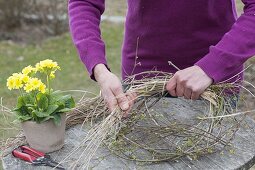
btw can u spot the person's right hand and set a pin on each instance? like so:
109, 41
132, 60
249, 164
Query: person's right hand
111, 90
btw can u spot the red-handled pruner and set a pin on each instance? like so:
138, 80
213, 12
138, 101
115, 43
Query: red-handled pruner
35, 157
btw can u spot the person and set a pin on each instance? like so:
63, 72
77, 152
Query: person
204, 38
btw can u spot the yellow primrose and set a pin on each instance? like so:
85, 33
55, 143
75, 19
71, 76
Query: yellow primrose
18, 83
46, 65
52, 75
42, 88
15, 81
28, 70
35, 82
38, 67
25, 78
17, 75
28, 88
22, 77
10, 83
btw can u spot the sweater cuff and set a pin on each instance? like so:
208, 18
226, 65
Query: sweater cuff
91, 55
219, 65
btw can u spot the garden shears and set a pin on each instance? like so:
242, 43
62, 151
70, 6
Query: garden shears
35, 157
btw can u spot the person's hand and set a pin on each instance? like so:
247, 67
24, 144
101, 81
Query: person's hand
111, 90
190, 83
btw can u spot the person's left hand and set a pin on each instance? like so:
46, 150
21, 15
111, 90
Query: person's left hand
190, 83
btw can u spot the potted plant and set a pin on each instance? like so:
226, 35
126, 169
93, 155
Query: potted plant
40, 109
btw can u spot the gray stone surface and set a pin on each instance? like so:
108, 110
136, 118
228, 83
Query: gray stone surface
243, 158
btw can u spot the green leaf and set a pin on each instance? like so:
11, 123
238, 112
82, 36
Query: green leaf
30, 109
23, 110
54, 97
61, 105
69, 103
42, 101
51, 109
64, 110
30, 105
15, 109
65, 101
61, 98
57, 119
47, 118
29, 99
24, 101
24, 118
40, 114
20, 102
39, 95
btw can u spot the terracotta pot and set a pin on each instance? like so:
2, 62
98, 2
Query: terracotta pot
45, 136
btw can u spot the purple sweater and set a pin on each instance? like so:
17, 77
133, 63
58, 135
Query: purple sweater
206, 33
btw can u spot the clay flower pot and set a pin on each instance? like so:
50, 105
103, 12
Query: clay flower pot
45, 136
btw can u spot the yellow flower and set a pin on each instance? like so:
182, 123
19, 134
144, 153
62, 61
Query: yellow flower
31, 85
28, 70
10, 83
35, 82
17, 75
42, 88
25, 79
16, 81
38, 67
22, 77
45, 65
28, 87
52, 75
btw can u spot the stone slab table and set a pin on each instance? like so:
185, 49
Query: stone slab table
243, 158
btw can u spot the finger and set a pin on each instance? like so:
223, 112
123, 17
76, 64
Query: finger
110, 100
195, 95
187, 93
132, 98
179, 90
121, 99
129, 97
171, 86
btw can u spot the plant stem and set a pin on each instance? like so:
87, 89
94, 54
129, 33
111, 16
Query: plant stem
36, 101
21, 93
48, 82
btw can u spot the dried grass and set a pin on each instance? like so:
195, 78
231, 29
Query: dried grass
203, 137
